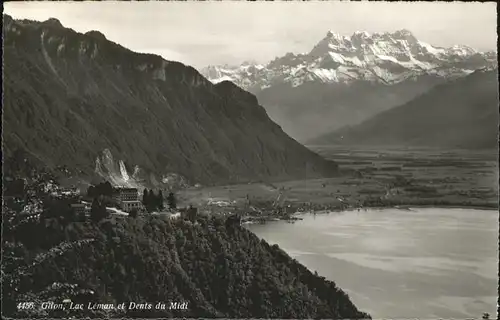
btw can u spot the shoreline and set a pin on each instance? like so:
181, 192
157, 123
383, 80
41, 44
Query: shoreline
294, 216
474, 207
409, 206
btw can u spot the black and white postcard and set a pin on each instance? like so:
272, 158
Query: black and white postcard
250, 159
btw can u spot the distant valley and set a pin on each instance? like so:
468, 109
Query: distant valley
345, 80
462, 113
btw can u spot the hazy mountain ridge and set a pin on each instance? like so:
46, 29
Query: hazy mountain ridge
69, 96
461, 113
345, 80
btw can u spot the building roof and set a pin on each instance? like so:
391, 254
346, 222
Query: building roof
127, 189
78, 205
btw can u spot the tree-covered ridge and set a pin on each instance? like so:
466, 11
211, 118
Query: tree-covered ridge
220, 270
211, 264
89, 94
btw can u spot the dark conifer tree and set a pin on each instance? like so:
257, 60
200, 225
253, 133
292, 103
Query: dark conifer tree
95, 210
145, 196
192, 212
102, 209
98, 210
98, 189
171, 201
152, 201
160, 200
107, 189
91, 191
149, 200
69, 213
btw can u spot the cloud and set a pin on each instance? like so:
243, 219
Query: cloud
202, 33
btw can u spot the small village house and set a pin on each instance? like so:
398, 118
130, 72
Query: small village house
79, 208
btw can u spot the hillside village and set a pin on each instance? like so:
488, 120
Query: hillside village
32, 193
38, 196
141, 238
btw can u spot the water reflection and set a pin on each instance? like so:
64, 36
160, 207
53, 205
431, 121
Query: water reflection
425, 263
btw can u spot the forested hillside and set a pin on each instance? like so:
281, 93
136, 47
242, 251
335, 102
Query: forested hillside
219, 270
69, 96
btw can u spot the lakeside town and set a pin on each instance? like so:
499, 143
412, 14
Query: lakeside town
356, 188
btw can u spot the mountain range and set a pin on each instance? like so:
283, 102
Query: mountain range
70, 96
344, 80
462, 113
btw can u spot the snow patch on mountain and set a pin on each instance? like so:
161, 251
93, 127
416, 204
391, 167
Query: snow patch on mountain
387, 58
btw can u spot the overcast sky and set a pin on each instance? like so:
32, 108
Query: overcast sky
208, 33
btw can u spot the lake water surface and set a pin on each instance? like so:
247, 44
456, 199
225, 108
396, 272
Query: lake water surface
425, 263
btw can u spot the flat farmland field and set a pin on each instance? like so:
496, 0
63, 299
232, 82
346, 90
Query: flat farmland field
378, 178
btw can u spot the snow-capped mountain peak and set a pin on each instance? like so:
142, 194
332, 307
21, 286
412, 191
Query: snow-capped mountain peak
386, 58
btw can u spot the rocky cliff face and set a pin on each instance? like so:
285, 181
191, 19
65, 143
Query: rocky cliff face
69, 96
346, 79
